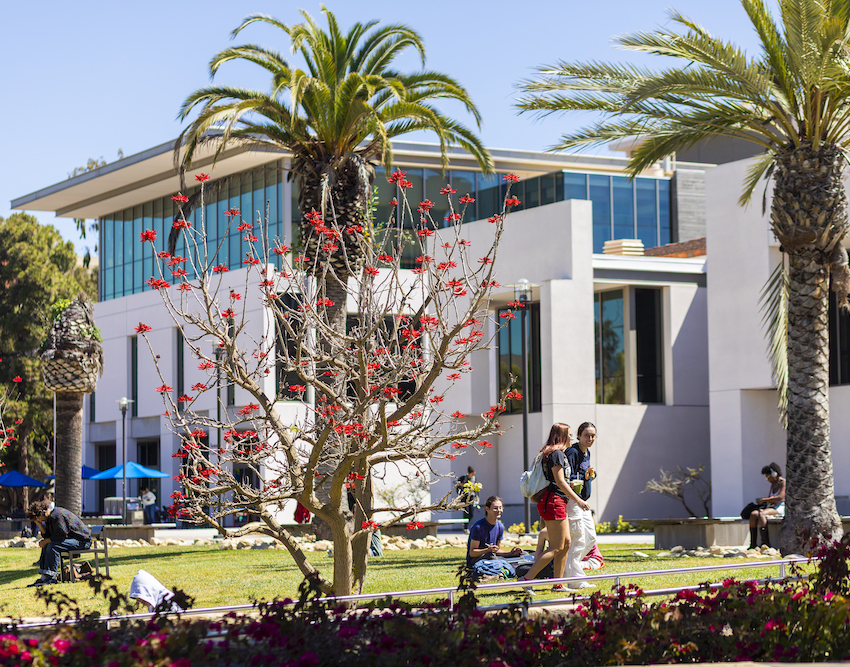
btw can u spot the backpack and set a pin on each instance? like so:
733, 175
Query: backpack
533, 481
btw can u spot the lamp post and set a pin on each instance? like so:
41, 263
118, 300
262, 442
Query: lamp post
123, 404
522, 294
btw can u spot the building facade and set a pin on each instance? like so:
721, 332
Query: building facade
621, 341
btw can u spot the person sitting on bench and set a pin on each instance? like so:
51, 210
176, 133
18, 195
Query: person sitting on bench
63, 531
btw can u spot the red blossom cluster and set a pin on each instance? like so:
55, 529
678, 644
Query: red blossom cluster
511, 178
413, 525
466, 199
142, 328
447, 190
181, 223
231, 212
148, 235
180, 199
157, 283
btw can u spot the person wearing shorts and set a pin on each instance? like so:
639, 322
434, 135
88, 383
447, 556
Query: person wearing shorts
552, 503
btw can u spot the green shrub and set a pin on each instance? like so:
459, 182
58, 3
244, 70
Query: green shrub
619, 527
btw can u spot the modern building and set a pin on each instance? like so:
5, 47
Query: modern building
616, 339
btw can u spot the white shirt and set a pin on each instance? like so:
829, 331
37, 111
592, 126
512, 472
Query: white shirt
148, 499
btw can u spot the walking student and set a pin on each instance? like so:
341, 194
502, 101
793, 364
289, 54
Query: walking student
553, 503
582, 526
63, 531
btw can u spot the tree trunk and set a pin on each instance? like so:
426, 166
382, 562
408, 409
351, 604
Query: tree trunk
343, 577
809, 216
69, 451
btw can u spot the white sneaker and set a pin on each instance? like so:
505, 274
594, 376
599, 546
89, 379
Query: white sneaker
578, 585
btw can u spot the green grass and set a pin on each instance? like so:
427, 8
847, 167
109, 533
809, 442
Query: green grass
215, 577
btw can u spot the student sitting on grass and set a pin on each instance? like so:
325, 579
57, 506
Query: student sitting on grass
485, 539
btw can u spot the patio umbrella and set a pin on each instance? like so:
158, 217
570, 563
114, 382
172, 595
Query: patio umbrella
15, 478
88, 473
134, 471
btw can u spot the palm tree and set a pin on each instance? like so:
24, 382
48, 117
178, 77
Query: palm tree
336, 119
71, 363
793, 100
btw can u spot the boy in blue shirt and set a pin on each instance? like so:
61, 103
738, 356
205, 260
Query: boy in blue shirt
485, 537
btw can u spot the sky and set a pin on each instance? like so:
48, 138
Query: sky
84, 79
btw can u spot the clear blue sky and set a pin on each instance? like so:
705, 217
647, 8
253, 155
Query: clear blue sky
83, 79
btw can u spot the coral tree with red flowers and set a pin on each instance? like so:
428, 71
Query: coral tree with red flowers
374, 397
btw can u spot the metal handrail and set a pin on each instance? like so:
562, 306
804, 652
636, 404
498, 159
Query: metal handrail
575, 594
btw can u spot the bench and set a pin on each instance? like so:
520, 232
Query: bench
97, 534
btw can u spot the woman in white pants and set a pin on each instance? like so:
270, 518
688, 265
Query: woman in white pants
582, 526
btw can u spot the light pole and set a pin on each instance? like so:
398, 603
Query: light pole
522, 294
123, 404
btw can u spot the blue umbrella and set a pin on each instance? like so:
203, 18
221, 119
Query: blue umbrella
15, 478
88, 473
134, 471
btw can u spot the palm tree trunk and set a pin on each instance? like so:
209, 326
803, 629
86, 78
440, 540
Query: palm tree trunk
809, 215
69, 451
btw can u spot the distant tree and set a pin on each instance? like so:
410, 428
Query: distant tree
37, 268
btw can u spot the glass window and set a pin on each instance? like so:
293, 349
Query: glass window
531, 194
134, 377
434, 181
664, 211
383, 192
119, 239
489, 195
624, 207
647, 211
839, 343
648, 339
464, 183
108, 249
610, 347
600, 195
127, 287
510, 357
549, 188
285, 348
575, 185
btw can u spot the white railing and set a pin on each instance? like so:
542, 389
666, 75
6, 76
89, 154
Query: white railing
451, 592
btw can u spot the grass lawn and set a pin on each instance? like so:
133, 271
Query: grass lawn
216, 577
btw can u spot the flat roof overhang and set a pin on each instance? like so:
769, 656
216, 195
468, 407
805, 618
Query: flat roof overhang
151, 174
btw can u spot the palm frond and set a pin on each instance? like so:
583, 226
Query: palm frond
774, 308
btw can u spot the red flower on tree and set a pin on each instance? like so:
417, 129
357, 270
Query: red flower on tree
142, 328
180, 199
397, 176
370, 270
370, 525
458, 414
413, 525
512, 201
164, 389
511, 178
17, 379
181, 224
232, 211
297, 388
205, 365
466, 199
221, 268
148, 235
447, 190
202, 177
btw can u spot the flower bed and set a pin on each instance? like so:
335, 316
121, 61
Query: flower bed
743, 621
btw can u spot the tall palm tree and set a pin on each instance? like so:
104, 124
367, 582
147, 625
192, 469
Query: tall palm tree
793, 100
71, 363
336, 118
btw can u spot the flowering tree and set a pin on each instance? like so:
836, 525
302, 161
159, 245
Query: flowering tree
372, 398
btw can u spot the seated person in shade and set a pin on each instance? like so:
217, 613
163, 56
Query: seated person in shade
63, 531
485, 537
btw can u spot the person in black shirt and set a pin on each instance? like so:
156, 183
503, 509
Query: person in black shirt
63, 531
